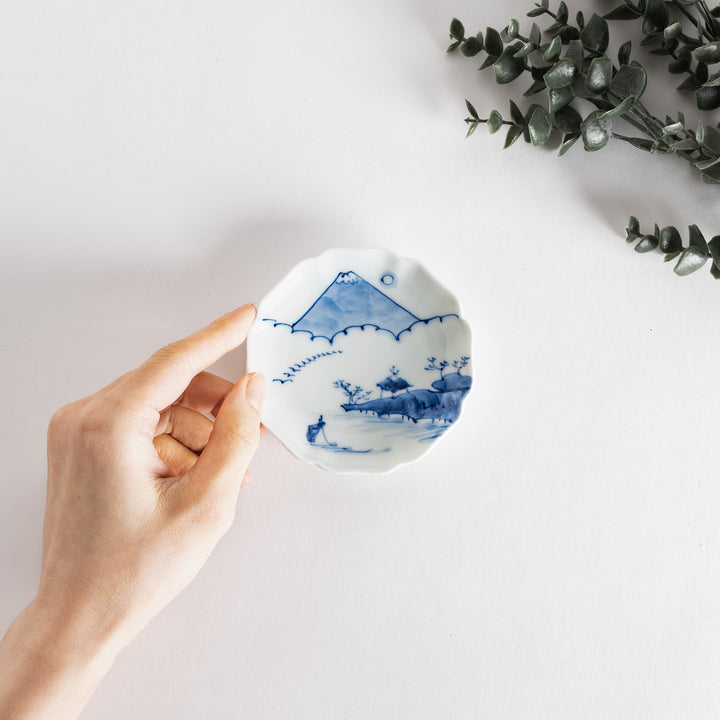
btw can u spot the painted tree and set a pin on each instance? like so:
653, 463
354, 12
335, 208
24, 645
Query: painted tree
393, 383
461, 363
354, 394
440, 366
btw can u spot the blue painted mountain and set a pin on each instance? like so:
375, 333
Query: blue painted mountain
349, 302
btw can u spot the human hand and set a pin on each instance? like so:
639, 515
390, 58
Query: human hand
141, 486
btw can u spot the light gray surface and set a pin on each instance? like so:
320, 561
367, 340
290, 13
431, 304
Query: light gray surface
556, 556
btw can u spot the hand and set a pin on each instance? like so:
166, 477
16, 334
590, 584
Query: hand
141, 486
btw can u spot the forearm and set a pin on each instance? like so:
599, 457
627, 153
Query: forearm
49, 667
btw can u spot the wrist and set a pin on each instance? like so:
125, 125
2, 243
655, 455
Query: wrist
50, 664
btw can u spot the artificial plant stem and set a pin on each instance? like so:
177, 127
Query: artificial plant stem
710, 20
649, 118
692, 19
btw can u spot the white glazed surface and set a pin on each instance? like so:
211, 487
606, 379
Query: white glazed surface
303, 369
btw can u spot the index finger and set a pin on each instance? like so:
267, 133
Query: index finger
163, 377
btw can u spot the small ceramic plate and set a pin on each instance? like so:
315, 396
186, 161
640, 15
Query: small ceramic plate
366, 357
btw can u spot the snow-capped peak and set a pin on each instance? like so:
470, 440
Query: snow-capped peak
348, 278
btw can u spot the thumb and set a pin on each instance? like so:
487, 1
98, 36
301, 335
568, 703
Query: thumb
234, 438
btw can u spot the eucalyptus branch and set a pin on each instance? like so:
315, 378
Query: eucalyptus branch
691, 257
663, 31
567, 62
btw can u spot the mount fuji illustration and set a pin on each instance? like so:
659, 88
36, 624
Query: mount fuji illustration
349, 302
352, 302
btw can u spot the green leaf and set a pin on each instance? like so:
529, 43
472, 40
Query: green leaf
691, 260
596, 131
690, 84
712, 138
471, 47
633, 228
567, 142
457, 29
700, 132
707, 163
713, 80
697, 239
715, 271
656, 17
494, 122
473, 126
714, 249
686, 145
568, 120
453, 46
471, 109
679, 66
595, 35
488, 61
535, 34
624, 53
535, 88
670, 240
562, 14
575, 53
711, 176
640, 143
513, 134
648, 243
493, 42
620, 109
561, 74
559, 98
622, 12
671, 256
629, 80
525, 50
507, 67
553, 49
708, 98
672, 129
539, 126
516, 114
599, 75
537, 64
513, 28
672, 31
709, 53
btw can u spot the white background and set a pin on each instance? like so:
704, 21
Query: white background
556, 555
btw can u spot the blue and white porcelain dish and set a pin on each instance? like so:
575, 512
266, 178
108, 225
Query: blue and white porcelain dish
367, 360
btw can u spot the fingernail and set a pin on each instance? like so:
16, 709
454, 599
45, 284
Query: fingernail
247, 306
255, 391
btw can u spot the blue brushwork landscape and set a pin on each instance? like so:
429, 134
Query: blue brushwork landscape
439, 404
